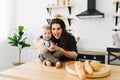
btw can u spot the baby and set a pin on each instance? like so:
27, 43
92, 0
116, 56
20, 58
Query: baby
49, 56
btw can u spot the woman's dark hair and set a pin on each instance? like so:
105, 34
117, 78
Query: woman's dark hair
65, 35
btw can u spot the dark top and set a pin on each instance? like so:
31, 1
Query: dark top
71, 46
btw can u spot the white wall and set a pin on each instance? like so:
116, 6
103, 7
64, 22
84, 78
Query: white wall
95, 34
7, 53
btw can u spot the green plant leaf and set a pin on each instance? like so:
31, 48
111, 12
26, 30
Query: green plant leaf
13, 44
25, 45
20, 28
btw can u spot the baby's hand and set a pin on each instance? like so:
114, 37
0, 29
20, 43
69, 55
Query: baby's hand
51, 48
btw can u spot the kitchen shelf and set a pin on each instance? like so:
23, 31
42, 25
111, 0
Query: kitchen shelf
49, 8
117, 14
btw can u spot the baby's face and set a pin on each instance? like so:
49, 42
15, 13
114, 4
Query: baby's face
47, 34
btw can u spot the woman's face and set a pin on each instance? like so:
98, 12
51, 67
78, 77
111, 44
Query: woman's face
56, 30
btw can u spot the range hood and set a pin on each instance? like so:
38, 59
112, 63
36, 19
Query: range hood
91, 11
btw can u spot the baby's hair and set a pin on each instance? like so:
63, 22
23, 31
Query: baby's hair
46, 27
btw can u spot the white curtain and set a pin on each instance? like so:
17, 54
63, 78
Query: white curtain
5, 15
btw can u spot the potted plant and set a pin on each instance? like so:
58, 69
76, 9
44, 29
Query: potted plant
18, 40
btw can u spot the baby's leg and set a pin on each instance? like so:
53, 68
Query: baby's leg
56, 62
58, 65
45, 56
41, 57
51, 59
58, 54
46, 62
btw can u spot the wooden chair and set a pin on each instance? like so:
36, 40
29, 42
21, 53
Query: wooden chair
113, 54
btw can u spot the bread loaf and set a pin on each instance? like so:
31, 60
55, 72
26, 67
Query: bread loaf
96, 65
88, 67
79, 67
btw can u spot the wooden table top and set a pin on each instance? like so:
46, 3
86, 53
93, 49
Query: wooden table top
35, 70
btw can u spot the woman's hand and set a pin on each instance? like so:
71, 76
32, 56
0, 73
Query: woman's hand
57, 48
51, 48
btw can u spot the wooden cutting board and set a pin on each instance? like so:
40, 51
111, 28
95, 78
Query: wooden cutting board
104, 71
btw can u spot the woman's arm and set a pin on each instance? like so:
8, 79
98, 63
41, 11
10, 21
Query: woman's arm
66, 53
39, 45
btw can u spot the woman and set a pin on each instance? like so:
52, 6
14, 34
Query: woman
64, 41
